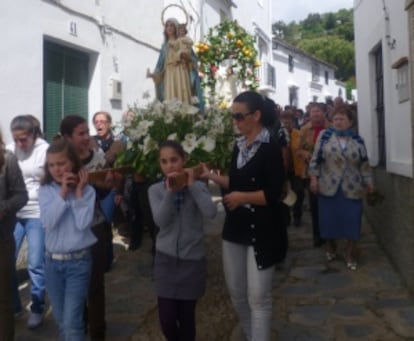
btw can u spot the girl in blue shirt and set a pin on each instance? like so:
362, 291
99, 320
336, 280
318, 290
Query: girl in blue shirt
66, 211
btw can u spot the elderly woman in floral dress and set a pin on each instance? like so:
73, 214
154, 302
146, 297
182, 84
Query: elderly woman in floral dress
340, 175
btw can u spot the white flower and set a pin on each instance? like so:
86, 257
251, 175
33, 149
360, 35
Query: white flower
190, 143
173, 105
134, 134
208, 143
149, 145
195, 100
168, 117
157, 108
143, 127
172, 137
190, 109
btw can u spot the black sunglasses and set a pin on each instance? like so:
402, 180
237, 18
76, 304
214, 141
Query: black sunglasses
238, 116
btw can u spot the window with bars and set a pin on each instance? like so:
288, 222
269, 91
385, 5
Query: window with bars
315, 72
270, 75
402, 83
293, 96
291, 63
326, 77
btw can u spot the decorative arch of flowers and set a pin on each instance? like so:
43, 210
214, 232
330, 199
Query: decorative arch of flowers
228, 41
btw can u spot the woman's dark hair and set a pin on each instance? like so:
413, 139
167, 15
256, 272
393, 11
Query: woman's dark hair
174, 145
65, 147
27, 123
321, 106
69, 123
288, 114
268, 108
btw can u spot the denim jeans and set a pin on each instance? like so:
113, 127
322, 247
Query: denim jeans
250, 290
67, 284
108, 206
35, 233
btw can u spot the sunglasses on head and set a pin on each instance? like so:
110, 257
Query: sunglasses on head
238, 116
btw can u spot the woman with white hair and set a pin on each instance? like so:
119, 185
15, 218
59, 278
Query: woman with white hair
30, 150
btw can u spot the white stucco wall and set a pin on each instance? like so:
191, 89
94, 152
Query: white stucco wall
122, 39
22, 51
398, 125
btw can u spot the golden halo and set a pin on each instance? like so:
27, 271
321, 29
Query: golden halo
163, 20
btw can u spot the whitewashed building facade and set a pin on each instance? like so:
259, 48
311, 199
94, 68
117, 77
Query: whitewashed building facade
384, 47
67, 56
301, 78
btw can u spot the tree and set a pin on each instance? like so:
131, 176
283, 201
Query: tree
327, 36
334, 50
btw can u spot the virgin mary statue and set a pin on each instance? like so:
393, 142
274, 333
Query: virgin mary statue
176, 71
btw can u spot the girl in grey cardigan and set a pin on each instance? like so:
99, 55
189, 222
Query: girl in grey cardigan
180, 264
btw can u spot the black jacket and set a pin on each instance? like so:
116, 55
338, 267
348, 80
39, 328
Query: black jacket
259, 226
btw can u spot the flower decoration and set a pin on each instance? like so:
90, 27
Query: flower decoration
206, 137
228, 41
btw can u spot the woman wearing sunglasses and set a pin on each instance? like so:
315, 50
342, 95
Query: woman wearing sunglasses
253, 229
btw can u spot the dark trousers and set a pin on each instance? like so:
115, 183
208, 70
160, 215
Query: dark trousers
298, 186
313, 203
7, 250
177, 319
140, 213
95, 305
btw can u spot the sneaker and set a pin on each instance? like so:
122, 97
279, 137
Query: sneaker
35, 320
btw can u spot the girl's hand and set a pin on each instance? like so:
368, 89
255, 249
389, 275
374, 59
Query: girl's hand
233, 200
206, 172
69, 182
313, 186
83, 178
190, 176
174, 182
83, 181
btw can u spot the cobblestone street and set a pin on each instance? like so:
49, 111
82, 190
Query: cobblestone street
313, 300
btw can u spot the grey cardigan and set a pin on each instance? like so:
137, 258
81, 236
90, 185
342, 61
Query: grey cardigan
13, 194
181, 231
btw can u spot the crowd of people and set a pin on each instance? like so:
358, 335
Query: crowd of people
47, 195
48, 198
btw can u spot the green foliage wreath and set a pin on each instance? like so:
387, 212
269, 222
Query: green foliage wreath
228, 41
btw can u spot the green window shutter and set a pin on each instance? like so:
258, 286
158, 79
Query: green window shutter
76, 83
66, 84
53, 87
